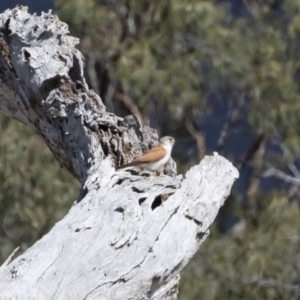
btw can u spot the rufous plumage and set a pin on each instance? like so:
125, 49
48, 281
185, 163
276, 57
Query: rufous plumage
155, 158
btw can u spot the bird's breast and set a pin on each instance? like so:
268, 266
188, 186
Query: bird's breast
153, 166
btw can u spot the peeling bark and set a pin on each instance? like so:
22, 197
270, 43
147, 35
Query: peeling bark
129, 235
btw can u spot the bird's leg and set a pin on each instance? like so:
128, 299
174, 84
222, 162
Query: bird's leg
159, 172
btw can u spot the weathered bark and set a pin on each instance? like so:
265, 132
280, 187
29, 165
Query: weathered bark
129, 235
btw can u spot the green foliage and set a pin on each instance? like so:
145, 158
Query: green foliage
144, 46
34, 191
157, 52
255, 262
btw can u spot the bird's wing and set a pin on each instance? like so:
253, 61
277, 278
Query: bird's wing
154, 154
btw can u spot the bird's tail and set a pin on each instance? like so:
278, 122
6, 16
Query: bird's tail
127, 166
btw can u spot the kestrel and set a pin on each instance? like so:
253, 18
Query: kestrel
155, 158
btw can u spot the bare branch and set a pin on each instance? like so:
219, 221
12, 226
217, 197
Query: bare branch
270, 283
8, 260
130, 105
286, 154
199, 138
117, 241
42, 85
281, 175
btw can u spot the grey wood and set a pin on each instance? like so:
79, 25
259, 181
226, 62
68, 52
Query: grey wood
128, 235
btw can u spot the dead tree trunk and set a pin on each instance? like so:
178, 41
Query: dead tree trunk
120, 240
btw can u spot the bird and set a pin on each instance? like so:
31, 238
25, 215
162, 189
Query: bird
155, 158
